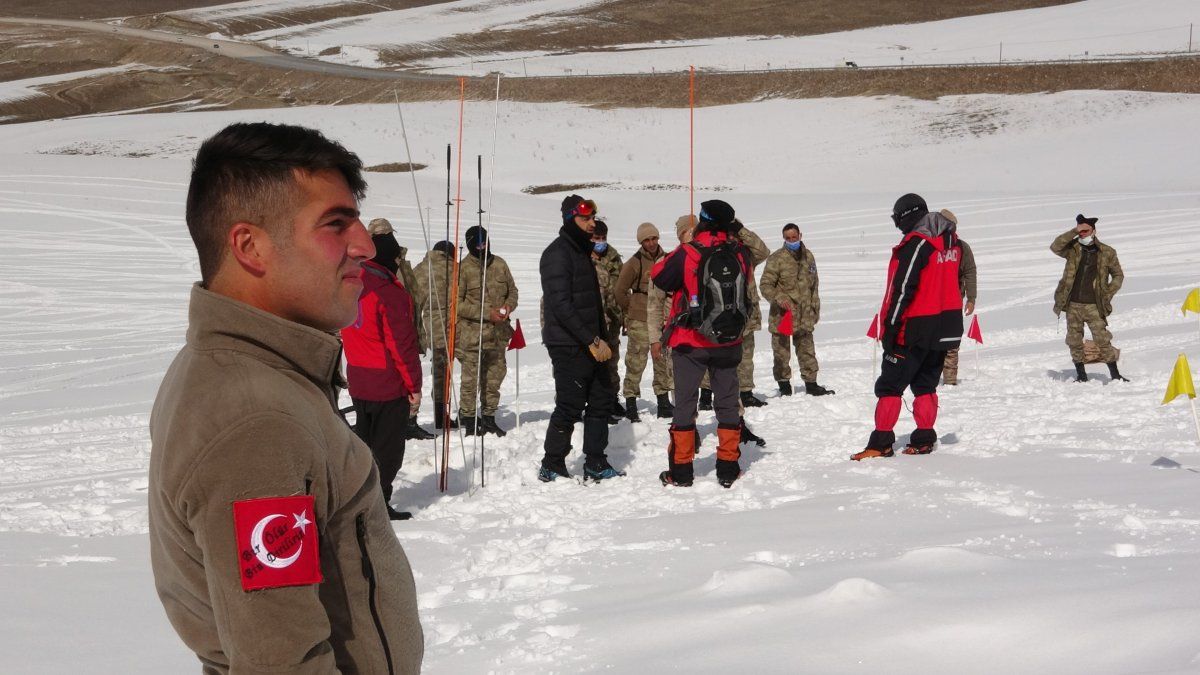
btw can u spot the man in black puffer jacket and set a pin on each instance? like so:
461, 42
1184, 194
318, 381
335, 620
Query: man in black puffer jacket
573, 326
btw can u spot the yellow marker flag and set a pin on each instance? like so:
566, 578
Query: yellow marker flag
1181, 381
1192, 302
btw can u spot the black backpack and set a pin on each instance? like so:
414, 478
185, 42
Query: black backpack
719, 312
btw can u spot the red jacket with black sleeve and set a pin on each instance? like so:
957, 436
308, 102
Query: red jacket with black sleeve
922, 306
679, 274
381, 345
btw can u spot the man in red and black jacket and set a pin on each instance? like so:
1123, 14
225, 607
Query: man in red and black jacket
921, 320
382, 364
693, 354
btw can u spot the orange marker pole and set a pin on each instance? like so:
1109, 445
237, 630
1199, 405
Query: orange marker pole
452, 313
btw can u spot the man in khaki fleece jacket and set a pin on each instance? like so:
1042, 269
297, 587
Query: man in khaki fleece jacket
270, 542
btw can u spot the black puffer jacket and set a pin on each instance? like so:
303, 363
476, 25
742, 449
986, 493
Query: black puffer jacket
573, 314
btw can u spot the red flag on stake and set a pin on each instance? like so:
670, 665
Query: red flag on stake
873, 331
518, 338
973, 332
785, 324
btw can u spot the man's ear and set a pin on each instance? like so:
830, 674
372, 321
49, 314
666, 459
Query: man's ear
250, 246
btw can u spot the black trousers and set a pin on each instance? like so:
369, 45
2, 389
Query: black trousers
583, 390
909, 367
380, 424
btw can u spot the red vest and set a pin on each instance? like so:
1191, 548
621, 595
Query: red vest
931, 317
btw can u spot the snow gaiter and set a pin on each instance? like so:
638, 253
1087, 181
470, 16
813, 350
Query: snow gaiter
728, 451
887, 411
925, 409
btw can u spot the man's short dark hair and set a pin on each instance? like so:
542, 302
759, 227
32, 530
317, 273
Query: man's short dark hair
791, 226
247, 173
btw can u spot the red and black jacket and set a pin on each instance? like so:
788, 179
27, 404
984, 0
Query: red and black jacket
679, 274
381, 345
922, 306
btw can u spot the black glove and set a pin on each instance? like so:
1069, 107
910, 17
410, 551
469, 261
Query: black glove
734, 227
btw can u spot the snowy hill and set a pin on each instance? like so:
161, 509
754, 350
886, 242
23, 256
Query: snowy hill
1055, 530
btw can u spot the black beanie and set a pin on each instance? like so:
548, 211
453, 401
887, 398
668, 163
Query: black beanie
908, 211
387, 249
717, 212
445, 247
476, 235
601, 229
569, 203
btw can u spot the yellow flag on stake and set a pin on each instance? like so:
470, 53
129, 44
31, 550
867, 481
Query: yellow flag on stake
1181, 381
1192, 302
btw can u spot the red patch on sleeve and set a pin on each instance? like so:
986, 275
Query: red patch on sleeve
277, 542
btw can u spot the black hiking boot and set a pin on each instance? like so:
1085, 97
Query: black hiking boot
631, 412
785, 388
750, 437
553, 471
749, 401
468, 426
1080, 373
487, 425
1116, 374
600, 472
814, 389
705, 399
393, 514
414, 432
666, 479
617, 408
666, 410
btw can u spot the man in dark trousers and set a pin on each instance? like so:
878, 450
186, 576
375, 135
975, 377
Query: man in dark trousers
706, 331
921, 319
382, 366
573, 329
269, 540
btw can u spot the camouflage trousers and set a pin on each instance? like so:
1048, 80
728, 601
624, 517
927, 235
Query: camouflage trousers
1078, 314
480, 379
637, 352
806, 354
950, 367
610, 366
745, 370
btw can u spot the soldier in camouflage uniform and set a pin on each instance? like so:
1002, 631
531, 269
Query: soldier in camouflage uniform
1091, 277
404, 272
790, 283
432, 301
632, 293
967, 286
608, 269
482, 332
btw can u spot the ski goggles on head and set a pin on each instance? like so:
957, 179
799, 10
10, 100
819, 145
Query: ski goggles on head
584, 210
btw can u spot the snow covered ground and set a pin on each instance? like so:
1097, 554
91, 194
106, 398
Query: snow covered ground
1091, 28
1056, 529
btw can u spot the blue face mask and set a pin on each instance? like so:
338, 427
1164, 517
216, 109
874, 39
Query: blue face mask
600, 246
793, 246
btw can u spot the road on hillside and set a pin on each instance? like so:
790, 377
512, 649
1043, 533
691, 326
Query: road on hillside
237, 50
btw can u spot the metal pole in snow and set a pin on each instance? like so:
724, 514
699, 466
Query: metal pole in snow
1001, 53
518, 351
1195, 417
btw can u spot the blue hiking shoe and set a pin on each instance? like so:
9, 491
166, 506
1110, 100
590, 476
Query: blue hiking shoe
549, 475
601, 473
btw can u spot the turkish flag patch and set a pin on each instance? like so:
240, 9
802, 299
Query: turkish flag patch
277, 542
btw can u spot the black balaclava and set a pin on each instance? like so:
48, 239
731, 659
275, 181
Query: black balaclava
445, 247
387, 249
477, 241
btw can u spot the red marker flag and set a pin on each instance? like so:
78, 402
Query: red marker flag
277, 542
518, 338
873, 331
785, 324
973, 332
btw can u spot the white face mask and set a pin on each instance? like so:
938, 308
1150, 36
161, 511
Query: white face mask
1087, 241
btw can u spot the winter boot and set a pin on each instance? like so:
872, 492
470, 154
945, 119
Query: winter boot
814, 389
552, 470
666, 408
923, 438
728, 453
705, 399
631, 412
600, 471
393, 514
1116, 374
750, 401
618, 409
468, 426
414, 432
785, 388
748, 436
680, 453
1080, 373
488, 425
878, 445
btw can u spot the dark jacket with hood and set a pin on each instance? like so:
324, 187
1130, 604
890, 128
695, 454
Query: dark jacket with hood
572, 310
